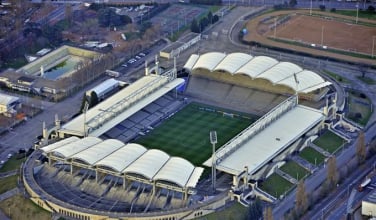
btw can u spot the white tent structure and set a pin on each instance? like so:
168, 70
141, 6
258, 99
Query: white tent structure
259, 67
130, 161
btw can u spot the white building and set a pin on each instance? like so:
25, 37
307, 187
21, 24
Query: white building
182, 44
104, 88
369, 205
9, 104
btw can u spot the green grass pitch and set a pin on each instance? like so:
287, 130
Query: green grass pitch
186, 133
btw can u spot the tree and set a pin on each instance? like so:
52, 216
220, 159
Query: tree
293, 3
210, 17
215, 18
268, 213
53, 34
93, 99
371, 9
108, 18
68, 13
255, 210
84, 100
363, 70
322, 7
361, 152
203, 23
332, 174
194, 26
301, 204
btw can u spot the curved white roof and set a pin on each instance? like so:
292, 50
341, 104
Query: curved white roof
103, 87
73, 148
98, 151
148, 164
191, 61
195, 176
121, 158
51, 147
259, 67
306, 79
280, 71
209, 60
128, 158
233, 61
176, 170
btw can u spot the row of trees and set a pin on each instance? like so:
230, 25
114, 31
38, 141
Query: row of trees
107, 17
198, 27
206, 2
302, 203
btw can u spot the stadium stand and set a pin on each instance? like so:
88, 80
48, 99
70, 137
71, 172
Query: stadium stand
289, 77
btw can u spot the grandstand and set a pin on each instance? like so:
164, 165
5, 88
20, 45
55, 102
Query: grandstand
120, 106
118, 163
261, 73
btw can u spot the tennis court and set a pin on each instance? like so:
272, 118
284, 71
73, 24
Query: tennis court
186, 133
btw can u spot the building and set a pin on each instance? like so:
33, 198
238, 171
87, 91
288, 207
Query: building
104, 88
182, 44
369, 205
9, 105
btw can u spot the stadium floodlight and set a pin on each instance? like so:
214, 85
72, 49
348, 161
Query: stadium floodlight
86, 107
296, 86
213, 141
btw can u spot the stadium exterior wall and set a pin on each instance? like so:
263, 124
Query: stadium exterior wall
184, 213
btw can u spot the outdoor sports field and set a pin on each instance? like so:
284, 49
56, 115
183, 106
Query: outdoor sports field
186, 134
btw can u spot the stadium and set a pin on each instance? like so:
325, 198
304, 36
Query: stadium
145, 152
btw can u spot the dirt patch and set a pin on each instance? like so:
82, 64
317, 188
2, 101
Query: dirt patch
334, 34
297, 26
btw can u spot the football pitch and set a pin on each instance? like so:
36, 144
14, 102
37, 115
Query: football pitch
186, 133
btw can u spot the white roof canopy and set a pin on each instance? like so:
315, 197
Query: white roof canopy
123, 157
132, 158
51, 147
261, 67
271, 141
98, 151
75, 147
178, 168
148, 164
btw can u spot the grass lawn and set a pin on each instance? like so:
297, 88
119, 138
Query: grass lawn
329, 141
294, 170
367, 80
11, 164
310, 154
186, 134
276, 185
8, 183
336, 76
21, 208
359, 108
352, 13
235, 212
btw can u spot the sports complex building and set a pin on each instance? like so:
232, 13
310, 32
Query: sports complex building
103, 164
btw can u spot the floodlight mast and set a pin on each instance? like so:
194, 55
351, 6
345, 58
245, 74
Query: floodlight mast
86, 107
213, 141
